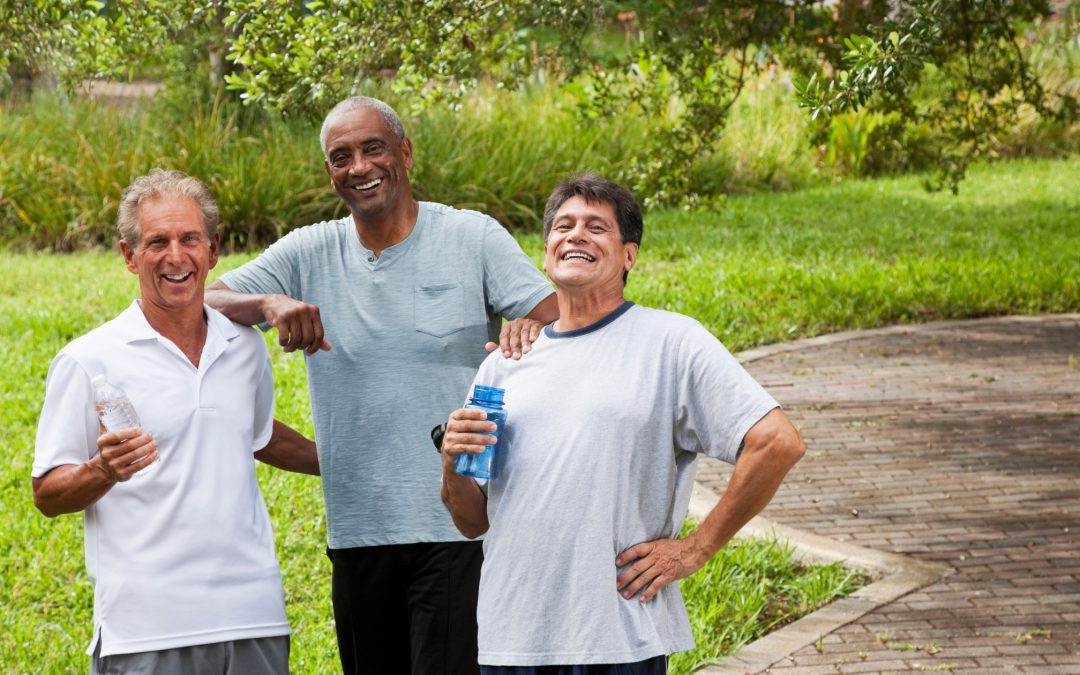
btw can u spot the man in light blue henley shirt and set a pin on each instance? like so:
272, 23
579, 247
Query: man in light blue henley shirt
392, 305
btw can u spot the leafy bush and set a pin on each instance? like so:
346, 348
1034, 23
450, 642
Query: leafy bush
64, 163
498, 151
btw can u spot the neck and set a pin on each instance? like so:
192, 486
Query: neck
185, 328
381, 231
578, 309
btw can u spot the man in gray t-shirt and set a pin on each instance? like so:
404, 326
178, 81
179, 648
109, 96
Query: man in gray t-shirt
392, 305
605, 421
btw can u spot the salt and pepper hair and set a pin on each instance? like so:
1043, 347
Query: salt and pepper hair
388, 114
164, 184
598, 190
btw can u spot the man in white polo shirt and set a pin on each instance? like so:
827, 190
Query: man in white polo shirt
182, 557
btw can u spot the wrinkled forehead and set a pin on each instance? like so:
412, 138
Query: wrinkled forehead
579, 208
357, 126
167, 212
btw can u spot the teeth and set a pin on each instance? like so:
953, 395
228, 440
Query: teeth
579, 255
177, 277
368, 186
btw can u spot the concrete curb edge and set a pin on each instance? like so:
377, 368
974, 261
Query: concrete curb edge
751, 355
895, 576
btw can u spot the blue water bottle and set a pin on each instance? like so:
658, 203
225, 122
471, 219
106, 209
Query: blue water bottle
484, 464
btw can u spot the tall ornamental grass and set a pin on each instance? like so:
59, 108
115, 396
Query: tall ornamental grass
64, 161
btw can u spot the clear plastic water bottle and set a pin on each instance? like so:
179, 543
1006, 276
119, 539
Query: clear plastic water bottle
485, 464
115, 411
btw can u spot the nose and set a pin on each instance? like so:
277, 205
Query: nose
359, 165
172, 251
577, 233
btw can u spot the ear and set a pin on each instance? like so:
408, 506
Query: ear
129, 257
215, 249
406, 149
326, 165
631, 251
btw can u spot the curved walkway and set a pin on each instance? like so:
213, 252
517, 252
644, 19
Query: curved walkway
953, 443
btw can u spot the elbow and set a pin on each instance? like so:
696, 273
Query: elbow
470, 525
792, 448
470, 530
47, 508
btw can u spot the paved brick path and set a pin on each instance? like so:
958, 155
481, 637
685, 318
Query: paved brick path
956, 443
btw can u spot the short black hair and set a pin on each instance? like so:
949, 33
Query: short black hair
598, 190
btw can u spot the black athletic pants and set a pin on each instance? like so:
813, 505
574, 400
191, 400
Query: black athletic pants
408, 608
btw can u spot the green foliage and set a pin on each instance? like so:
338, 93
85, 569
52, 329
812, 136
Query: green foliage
64, 164
36, 35
849, 139
304, 57
688, 66
977, 56
267, 172
749, 589
682, 64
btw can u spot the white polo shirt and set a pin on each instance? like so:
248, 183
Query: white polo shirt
185, 555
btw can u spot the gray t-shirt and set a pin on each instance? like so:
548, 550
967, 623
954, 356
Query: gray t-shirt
604, 425
408, 330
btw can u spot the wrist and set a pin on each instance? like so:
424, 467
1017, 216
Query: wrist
98, 469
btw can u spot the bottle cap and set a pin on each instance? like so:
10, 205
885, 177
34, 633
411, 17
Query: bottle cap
488, 394
99, 380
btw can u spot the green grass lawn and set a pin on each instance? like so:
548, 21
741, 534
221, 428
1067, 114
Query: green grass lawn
758, 269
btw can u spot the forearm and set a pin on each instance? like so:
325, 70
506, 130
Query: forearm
290, 450
465, 501
245, 308
70, 488
546, 311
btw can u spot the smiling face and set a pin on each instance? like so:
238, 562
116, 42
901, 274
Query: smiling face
173, 255
367, 164
584, 249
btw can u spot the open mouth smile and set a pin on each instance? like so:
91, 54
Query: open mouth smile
578, 255
364, 187
177, 278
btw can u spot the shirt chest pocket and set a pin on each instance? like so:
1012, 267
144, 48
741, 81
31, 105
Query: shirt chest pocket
439, 308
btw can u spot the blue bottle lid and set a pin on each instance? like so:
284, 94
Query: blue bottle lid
488, 394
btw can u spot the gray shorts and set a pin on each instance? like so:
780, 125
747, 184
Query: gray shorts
239, 657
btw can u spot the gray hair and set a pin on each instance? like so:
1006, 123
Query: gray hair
388, 114
164, 184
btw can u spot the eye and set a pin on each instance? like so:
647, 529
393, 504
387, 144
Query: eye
374, 149
339, 161
563, 227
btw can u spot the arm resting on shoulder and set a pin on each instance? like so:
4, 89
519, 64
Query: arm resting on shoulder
517, 335
770, 449
290, 450
298, 324
546, 311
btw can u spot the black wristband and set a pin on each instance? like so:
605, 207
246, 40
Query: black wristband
437, 435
